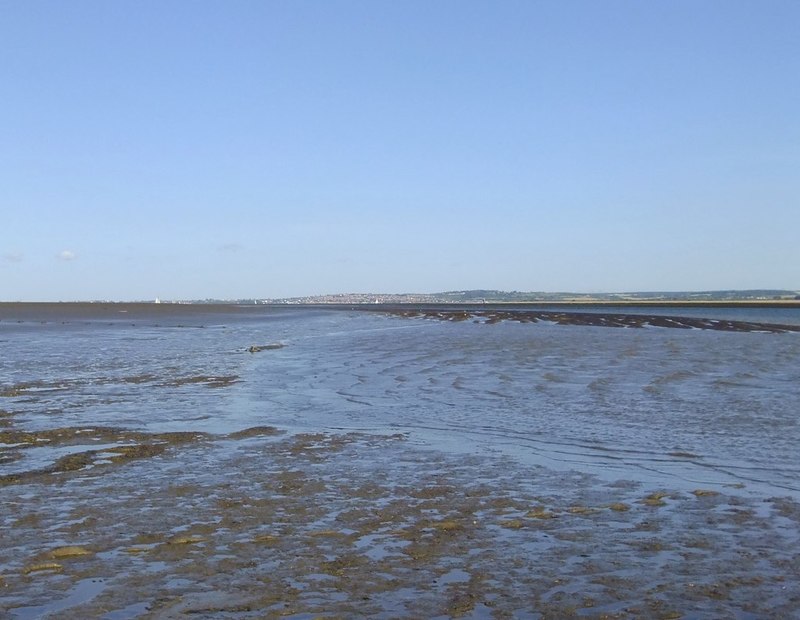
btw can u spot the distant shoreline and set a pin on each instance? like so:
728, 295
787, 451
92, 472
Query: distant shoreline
190, 306
202, 313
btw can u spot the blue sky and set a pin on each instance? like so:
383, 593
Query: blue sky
264, 149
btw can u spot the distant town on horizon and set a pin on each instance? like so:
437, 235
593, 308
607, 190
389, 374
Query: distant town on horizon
479, 296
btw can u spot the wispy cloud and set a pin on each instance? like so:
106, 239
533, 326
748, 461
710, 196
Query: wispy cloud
67, 255
13, 257
231, 248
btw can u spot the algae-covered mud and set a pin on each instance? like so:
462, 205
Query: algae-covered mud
252, 463
595, 319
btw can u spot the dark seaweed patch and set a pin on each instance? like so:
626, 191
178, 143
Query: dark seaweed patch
490, 317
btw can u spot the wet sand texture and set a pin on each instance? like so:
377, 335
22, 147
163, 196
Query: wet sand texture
331, 526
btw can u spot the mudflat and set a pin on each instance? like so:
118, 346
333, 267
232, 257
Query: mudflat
248, 463
336, 525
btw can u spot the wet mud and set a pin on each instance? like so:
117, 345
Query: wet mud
118, 447
153, 475
254, 524
37, 388
594, 319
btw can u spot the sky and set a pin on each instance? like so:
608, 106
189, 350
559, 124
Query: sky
238, 149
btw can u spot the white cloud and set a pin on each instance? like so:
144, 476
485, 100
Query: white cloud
67, 255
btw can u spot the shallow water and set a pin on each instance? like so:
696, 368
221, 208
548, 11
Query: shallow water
530, 421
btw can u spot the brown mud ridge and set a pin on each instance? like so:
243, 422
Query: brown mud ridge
257, 348
352, 525
30, 388
593, 319
117, 446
